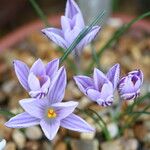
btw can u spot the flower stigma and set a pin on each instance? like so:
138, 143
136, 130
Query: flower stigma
51, 113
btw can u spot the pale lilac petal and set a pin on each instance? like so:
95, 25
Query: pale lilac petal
52, 68
130, 96
99, 79
65, 23
138, 73
50, 128
64, 109
75, 123
58, 85
94, 95
22, 120
83, 83
34, 107
38, 68
22, 72
106, 91
33, 82
70, 35
38, 94
56, 36
88, 38
107, 102
113, 75
71, 9
78, 21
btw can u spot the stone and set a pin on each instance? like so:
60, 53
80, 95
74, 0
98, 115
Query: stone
87, 136
112, 145
113, 129
33, 145
60, 146
84, 102
10, 146
130, 144
33, 133
19, 138
9, 86
47, 146
85, 144
4, 131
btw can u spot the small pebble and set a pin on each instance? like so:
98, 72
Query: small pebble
33, 133
19, 138
113, 129
10, 146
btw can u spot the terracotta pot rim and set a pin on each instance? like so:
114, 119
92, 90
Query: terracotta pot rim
19, 34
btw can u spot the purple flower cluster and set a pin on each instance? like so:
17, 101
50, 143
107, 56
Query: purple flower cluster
46, 83
49, 112
100, 88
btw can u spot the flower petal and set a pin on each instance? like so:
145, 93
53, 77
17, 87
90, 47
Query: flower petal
64, 109
57, 88
71, 9
35, 107
65, 23
52, 68
88, 38
99, 79
56, 36
22, 120
94, 95
83, 83
50, 128
113, 75
22, 72
38, 68
33, 82
75, 123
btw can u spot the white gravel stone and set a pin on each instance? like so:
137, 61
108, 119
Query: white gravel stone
87, 136
113, 129
19, 138
33, 133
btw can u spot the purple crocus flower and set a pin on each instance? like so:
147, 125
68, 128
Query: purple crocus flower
37, 79
101, 87
129, 86
72, 24
50, 113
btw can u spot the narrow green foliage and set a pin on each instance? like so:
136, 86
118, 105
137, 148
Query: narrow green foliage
104, 125
39, 12
94, 55
116, 36
81, 35
6, 113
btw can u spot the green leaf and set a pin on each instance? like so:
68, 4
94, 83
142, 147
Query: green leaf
116, 36
39, 12
81, 35
6, 113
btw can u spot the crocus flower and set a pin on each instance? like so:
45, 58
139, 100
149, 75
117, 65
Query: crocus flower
129, 86
50, 113
2, 144
37, 79
101, 87
72, 24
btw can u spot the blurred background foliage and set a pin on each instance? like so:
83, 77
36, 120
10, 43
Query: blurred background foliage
16, 13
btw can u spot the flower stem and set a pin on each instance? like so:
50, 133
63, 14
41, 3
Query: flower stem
39, 12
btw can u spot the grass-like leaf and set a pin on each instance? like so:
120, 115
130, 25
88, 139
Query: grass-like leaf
39, 12
116, 36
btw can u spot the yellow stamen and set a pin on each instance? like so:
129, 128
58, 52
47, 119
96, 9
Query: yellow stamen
51, 113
